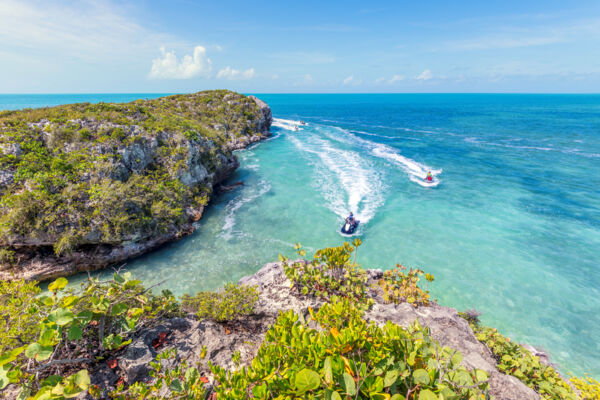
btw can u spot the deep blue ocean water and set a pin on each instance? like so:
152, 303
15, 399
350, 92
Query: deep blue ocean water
510, 225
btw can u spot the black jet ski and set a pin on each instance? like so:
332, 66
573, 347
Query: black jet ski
348, 229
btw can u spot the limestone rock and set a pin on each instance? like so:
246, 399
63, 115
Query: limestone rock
189, 335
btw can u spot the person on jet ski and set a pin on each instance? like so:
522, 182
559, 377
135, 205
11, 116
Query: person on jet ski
429, 177
350, 220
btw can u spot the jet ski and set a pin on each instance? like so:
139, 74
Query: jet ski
348, 229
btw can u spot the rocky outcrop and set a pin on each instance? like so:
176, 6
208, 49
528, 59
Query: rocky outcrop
99, 184
189, 335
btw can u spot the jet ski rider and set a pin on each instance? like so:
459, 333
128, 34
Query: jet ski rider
350, 220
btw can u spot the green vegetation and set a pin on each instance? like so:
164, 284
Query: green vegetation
589, 388
353, 359
233, 302
332, 272
170, 381
91, 174
63, 329
399, 286
53, 340
513, 359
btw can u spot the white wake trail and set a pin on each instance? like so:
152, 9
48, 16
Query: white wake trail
288, 124
346, 180
417, 172
236, 203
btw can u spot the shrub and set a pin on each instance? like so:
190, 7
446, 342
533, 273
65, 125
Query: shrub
513, 359
7, 257
589, 388
332, 272
400, 286
64, 329
353, 359
232, 303
18, 312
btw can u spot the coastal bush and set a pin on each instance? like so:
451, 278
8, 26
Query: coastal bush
513, 359
400, 286
589, 388
229, 304
7, 256
351, 359
18, 321
332, 272
63, 330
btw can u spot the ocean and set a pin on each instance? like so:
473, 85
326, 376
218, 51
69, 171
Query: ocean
509, 226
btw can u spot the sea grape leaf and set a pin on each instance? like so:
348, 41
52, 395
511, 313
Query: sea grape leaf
307, 380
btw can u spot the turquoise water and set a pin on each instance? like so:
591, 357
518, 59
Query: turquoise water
510, 225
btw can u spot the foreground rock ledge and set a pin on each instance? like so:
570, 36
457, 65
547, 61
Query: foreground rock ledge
188, 335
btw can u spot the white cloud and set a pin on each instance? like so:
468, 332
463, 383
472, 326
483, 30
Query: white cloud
424, 76
190, 66
235, 74
396, 78
351, 81
275, 76
93, 31
379, 81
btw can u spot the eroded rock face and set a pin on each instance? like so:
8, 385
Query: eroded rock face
114, 156
189, 335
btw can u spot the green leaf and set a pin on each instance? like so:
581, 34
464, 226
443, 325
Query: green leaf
11, 355
176, 386
39, 352
85, 317
75, 332
427, 395
259, 391
48, 337
118, 278
390, 377
82, 379
327, 371
119, 309
4, 381
481, 375
307, 380
398, 396
61, 316
335, 396
191, 375
421, 376
456, 358
57, 285
69, 301
349, 384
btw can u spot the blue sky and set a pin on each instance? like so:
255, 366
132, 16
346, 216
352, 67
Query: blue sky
49, 46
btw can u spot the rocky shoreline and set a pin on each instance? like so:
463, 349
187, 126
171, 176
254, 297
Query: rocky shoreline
199, 162
192, 337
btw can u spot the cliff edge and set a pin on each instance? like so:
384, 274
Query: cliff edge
85, 185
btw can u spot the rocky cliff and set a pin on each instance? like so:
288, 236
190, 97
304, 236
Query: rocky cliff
86, 185
204, 341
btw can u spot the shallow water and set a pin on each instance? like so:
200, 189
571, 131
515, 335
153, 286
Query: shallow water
510, 225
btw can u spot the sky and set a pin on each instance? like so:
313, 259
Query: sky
151, 46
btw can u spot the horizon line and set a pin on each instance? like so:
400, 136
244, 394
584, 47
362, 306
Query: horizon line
261, 93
